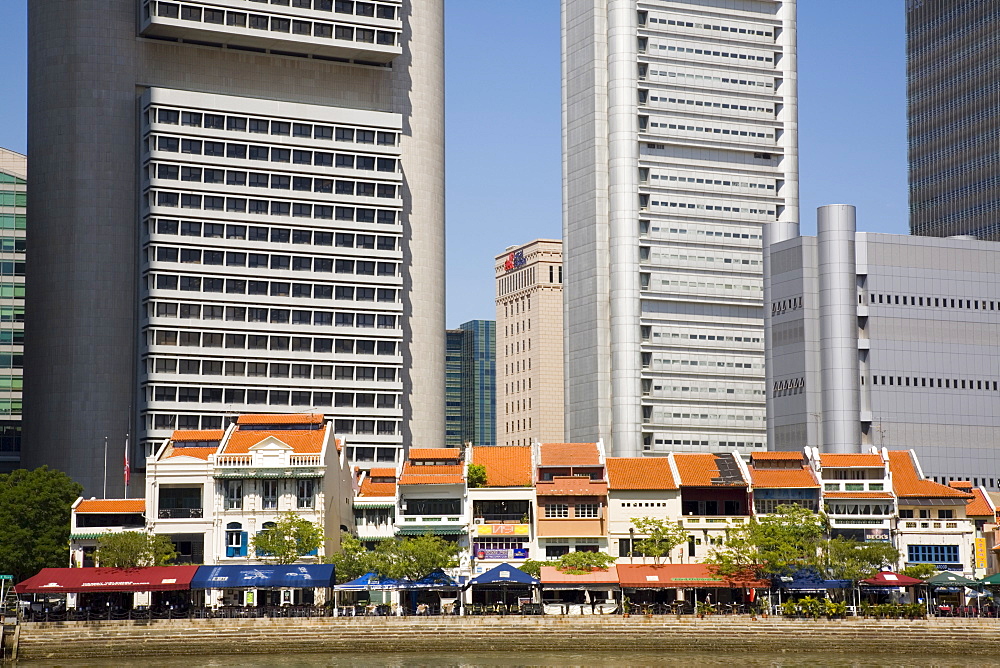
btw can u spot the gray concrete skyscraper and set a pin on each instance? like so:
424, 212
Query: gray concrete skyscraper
680, 145
952, 74
241, 201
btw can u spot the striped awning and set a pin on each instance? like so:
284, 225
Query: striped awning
437, 531
84, 536
361, 503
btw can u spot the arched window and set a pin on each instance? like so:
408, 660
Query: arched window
236, 540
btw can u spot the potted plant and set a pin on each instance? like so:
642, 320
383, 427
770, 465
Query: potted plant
789, 608
704, 608
866, 609
835, 610
626, 606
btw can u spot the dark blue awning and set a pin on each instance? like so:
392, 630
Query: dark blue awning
263, 577
369, 581
435, 580
808, 580
503, 574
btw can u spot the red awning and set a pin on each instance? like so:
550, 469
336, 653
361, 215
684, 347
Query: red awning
678, 576
890, 579
76, 580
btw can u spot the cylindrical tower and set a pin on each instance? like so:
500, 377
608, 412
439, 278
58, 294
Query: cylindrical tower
838, 328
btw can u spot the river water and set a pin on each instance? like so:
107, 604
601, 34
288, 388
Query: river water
555, 659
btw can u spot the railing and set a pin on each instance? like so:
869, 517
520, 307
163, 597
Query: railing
430, 519
180, 513
304, 460
520, 518
234, 460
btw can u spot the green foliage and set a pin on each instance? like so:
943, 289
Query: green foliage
134, 549
846, 559
662, 537
352, 561
919, 571
836, 608
704, 608
476, 476
414, 557
291, 538
789, 539
790, 608
626, 605
34, 520
579, 563
532, 567
812, 607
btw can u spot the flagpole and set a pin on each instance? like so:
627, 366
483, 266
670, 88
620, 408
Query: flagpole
127, 471
105, 467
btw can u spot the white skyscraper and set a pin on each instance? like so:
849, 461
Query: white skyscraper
680, 144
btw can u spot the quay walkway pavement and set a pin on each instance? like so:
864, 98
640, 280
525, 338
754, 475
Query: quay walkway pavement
205, 637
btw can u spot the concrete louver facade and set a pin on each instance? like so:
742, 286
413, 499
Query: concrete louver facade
296, 151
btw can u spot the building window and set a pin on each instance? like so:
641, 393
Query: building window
589, 510
236, 540
306, 493
233, 490
269, 494
933, 554
556, 510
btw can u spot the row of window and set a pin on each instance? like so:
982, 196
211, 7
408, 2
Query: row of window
212, 16
174, 172
947, 383
273, 207
710, 26
11, 198
282, 397
279, 154
709, 285
660, 256
289, 316
717, 131
580, 510
706, 207
517, 425
274, 235
700, 337
938, 302
647, 359
711, 105
284, 343
717, 182
275, 261
517, 386
263, 126
718, 54
214, 367
276, 289
704, 390
13, 221
662, 416
644, 229
699, 78
360, 8
270, 491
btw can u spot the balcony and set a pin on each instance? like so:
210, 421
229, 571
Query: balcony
180, 513
315, 30
712, 522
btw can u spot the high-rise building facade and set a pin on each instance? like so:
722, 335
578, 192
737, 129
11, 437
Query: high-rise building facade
239, 231
886, 340
470, 384
13, 218
952, 69
680, 145
529, 281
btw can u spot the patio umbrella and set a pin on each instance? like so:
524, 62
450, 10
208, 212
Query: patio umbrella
949, 579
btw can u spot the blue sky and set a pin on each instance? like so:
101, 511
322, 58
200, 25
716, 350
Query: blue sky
503, 124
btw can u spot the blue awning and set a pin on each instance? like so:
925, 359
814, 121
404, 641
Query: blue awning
503, 574
369, 581
263, 577
808, 580
435, 580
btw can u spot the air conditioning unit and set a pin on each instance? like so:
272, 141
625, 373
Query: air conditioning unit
478, 520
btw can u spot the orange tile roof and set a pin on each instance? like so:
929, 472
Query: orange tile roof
290, 418
571, 486
506, 465
906, 480
839, 460
639, 473
382, 473
301, 441
776, 455
432, 475
112, 506
369, 488
702, 470
783, 478
570, 454
960, 484
197, 453
204, 435
979, 505
857, 495
435, 453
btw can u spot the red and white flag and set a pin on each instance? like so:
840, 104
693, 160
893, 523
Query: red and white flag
128, 469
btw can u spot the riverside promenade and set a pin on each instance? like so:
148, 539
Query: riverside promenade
206, 637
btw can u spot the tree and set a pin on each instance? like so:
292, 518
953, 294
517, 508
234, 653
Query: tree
352, 561
787, 540
287, 540
847, 559
662, 537
578, 563
35, 520
476, 476
133, 549
532, 567
414, 558
920, 571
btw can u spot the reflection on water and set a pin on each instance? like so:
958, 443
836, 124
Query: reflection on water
556, 659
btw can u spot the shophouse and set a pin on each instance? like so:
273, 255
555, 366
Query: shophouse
375, 505
715, 495
782, 479
857, 493
572, 490
503, 508
637, 488
431, 495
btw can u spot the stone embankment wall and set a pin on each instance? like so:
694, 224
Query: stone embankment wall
65, 640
